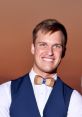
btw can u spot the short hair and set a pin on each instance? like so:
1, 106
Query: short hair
50, 25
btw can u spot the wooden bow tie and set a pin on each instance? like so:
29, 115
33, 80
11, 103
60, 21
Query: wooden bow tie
47, 81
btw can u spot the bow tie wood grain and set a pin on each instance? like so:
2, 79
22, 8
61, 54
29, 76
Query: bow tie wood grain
38, 80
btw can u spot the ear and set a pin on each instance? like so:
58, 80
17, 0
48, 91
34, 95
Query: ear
32, 48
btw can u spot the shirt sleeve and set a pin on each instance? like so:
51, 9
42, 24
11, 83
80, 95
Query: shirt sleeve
5, 99
75, 105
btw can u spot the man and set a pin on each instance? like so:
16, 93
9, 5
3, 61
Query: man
41, 93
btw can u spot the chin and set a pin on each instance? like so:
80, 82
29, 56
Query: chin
50, 71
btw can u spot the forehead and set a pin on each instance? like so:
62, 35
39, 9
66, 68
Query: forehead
50, 37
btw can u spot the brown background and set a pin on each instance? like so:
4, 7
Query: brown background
18, 18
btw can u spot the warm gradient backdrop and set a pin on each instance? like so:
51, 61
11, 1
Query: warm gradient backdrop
18, 18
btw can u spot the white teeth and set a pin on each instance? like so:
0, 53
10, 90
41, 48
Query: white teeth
48, 59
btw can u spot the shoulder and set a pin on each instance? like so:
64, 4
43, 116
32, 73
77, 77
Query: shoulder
76, 98
5, 94
76, 94
5, 86
17, 82
66, 88
75, 105
21, 78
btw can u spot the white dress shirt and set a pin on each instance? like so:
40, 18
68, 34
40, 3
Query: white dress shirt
42, 93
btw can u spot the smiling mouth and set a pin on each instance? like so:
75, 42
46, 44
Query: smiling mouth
48, 59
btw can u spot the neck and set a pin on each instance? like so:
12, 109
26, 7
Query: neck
45, 74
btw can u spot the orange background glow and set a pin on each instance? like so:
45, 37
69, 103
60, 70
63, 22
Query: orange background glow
19, 17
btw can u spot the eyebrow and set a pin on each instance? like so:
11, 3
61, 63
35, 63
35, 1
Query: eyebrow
41, 42
52, 45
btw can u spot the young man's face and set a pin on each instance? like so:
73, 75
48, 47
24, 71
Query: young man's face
47, 52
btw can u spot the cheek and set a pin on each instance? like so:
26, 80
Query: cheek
39, 52
58, 55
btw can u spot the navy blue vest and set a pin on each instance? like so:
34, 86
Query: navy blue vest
24, 103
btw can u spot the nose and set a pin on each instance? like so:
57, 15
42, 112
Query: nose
50, 51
